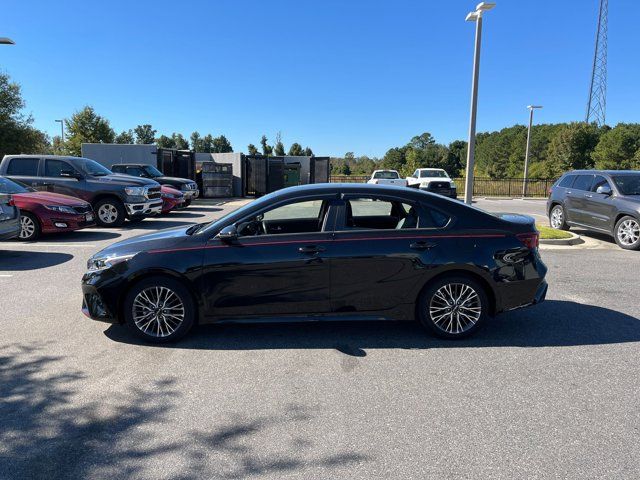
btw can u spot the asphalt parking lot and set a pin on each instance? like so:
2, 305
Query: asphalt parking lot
545, 392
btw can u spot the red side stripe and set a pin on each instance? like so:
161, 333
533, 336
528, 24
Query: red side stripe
327, 240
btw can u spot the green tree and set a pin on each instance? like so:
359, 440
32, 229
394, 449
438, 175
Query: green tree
570, 148
126, 136
165, 142
86, 126
17, 134
618, 148
197, 144
267, 150
145, 134
422, 141
307, 152
296, 150
207, 143
221, 145
179, 141
278, 149
394, 159
251, 148
457, 160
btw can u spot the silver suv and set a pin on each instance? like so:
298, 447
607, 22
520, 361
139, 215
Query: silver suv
605, 201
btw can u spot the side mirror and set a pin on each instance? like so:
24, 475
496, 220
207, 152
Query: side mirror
228, 233
69, 174
604, 190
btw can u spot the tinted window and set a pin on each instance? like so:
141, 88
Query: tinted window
23, 166
118, 169
7, 186
628, 184
599, 181
135, 171
52, 168
583, 182
567, 181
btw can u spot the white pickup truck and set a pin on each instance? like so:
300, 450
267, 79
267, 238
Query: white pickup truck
433, 180
387, 177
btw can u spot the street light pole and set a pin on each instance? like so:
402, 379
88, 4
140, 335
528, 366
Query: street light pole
6, 41
526, 155
475, 16
61, 130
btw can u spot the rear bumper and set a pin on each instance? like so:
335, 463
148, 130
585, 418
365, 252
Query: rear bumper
152, 207
10, 228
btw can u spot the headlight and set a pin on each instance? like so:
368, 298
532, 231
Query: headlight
102, 263
135, 191
452, 185
61, 209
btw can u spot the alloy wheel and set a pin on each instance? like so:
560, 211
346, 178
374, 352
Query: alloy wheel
158, 311
455, 308
557, 217
27, 227
108, 213
629, 232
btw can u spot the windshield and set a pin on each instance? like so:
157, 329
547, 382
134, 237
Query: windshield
11, 187
433, 173
153, 172
628, 184
387, 175
93, 168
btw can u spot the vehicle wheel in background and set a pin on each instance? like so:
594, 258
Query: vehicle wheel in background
159, 310
627, 233
109, 212
557, 218
453, 307
29, 226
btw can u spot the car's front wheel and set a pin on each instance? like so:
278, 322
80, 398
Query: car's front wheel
159, 310
29, 227
557, 218
453, 307
110, 212
627, 233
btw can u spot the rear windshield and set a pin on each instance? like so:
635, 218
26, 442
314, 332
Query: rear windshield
433, 173
387, 175
11, 187
628, 184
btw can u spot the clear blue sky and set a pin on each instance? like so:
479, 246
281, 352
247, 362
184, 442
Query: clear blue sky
336, 75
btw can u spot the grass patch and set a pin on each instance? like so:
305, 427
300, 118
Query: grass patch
548, 233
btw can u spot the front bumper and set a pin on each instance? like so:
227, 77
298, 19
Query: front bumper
66, 223
190, 194
151, 207
446, 192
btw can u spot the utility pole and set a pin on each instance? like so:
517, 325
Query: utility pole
597, 103
526, 155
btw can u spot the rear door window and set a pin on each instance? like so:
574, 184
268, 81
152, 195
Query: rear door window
567, 181
27, 167
583, 182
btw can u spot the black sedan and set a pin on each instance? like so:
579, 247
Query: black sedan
326, 251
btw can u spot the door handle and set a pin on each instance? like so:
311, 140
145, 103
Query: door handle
311, 249
588, 195
422, 245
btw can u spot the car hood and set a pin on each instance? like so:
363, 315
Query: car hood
175, 180
125, 180
50, 198
164, 239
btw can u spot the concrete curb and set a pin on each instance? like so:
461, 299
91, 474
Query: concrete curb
574, 240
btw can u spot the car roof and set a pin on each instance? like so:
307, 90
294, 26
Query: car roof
606, 172
53, 157
364, 188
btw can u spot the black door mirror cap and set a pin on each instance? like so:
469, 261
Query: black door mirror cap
228, 233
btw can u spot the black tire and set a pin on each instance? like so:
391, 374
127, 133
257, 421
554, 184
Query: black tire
109, 212
450, 325
30, 229
627, 233
132, 310
558, 218
187, 203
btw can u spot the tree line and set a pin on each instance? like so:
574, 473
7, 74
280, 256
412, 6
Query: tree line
555, 148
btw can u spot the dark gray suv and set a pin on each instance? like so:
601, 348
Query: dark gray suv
114, 198
606, 201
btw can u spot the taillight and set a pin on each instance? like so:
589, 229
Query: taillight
530, 240
11, 202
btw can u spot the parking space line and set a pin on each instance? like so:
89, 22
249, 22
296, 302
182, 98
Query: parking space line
5, 275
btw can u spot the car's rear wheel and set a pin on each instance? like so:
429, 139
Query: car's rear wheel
159, 310
557, 218
109, 212
453, 307
29, 227
627, 233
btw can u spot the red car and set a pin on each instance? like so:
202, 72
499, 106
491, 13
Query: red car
46, 212
171, 198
